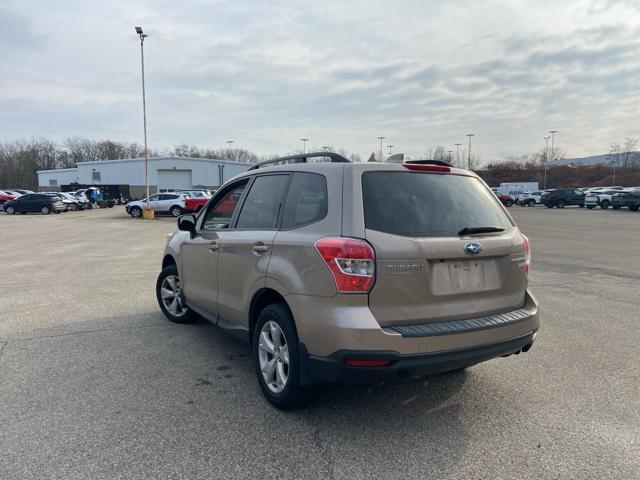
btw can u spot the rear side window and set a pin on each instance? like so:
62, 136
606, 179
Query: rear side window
262, 206
306, 201
428, 205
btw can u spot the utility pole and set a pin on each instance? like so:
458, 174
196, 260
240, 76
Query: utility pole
469, 152
142, 36
381, 139
390, 147
304, 144
458, 145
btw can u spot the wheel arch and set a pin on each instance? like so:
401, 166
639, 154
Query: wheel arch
262, 299
168, 260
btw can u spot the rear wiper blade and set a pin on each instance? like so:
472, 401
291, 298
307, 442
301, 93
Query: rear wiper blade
474, 230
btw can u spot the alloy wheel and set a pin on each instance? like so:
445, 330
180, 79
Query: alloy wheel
170, 291
273, 356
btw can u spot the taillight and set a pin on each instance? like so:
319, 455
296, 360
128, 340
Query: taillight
427, 168
527, 257
367, 362
351, 261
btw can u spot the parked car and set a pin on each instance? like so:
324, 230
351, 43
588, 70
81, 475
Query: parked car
35, 202
72, 203
5, 197
507, 200
529, 199
599, 198
629, 199
562, 197
413, 269
172, 203
19, 191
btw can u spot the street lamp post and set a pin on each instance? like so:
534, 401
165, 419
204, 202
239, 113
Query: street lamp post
142, 36
469, 152
546, 160
381, 139
304, 144
390, 147
613, 164
230, 143
458, 145
553, 154
450, 152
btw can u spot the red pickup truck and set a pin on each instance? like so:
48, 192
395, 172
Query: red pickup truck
194, 201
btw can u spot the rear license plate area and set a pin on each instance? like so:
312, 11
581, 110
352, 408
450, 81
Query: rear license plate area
468, 276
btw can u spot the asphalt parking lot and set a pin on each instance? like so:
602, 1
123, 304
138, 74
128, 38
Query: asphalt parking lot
96, 383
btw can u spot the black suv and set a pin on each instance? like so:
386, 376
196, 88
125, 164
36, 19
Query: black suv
626, 199
35, 202
561, 197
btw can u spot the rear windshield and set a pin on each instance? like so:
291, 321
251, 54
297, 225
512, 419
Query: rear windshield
428, 205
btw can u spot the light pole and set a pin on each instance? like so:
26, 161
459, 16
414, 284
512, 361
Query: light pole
458, 145
450, 152
613, 164
553, 154
546, 160
142, 36
230, 143
469, 152
381, 139
304, 144
390, 147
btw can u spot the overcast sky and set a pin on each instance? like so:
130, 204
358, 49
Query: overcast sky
265, 74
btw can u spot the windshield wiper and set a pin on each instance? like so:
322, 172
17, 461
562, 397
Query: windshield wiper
475, 230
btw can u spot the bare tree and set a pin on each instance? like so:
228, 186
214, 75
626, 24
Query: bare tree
624, 152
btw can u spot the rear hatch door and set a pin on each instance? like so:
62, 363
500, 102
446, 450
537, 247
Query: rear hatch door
425, 270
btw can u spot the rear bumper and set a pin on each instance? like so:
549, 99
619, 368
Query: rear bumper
334, 369
333, 329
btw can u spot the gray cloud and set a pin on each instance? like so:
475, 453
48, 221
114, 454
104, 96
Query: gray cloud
266, 74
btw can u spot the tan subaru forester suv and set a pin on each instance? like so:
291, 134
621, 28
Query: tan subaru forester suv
353, 272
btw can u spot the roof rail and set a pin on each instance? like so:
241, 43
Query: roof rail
431, 162
301, 158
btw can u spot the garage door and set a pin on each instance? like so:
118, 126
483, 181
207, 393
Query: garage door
174, 179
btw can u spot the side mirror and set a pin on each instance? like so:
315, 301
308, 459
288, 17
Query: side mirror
187, 223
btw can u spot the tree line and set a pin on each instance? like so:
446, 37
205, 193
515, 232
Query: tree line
21, 159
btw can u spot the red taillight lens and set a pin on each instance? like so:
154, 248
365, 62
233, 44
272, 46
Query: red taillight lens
351, 261
527, 255
367, 362
427, 168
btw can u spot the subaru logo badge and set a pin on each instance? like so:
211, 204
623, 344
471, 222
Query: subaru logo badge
472, 248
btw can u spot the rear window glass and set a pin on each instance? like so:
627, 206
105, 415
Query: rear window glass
428, 205
306, 201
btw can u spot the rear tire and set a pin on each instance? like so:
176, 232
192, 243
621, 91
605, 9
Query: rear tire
561, 204
604, 204
266, 353
10, 210
175, 211
45, 210
531, 203
170, 297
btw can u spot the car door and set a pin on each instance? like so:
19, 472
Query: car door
154, 201
199, 253
246, 249
577, 197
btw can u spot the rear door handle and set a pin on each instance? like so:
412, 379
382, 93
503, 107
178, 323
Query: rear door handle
260, 248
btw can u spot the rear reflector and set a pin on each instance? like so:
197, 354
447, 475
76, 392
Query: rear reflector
367, 362
427, 168
351, 261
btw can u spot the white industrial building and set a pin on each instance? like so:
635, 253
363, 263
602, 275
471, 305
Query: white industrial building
165, 173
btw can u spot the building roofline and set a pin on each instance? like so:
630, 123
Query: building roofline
168, 157
58, 170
